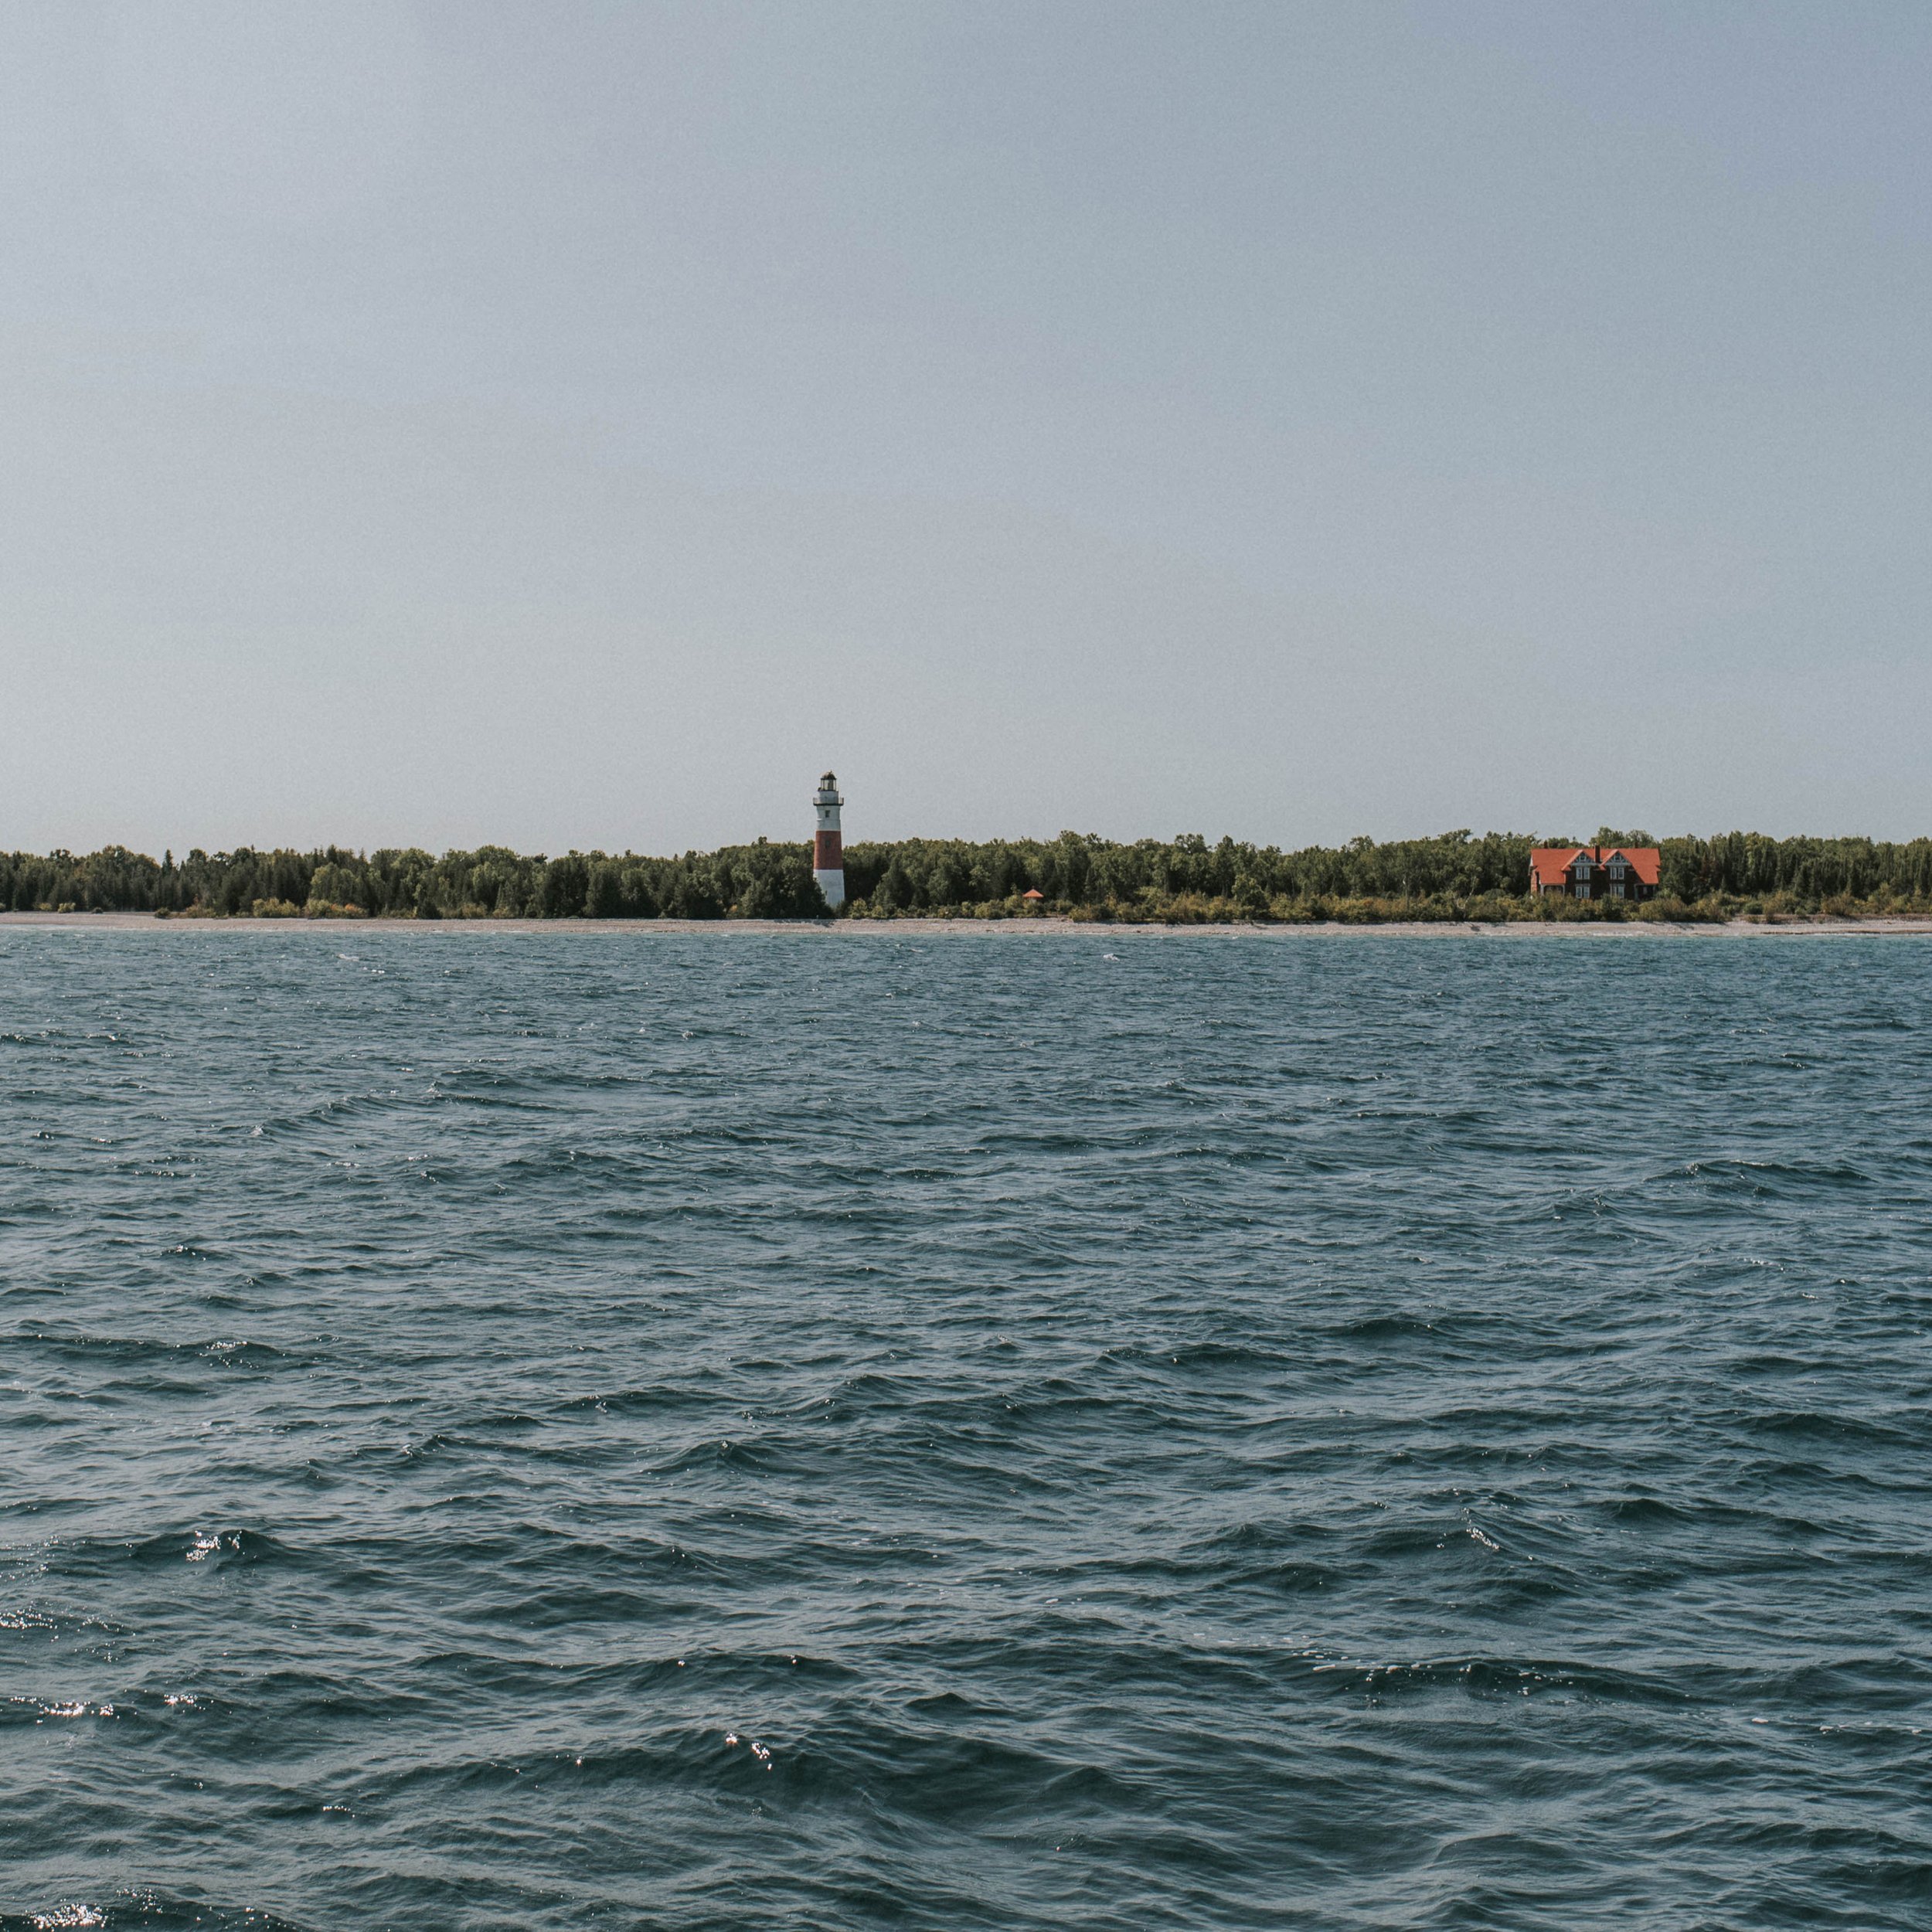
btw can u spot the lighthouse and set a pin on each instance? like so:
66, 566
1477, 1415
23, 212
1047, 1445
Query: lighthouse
827, 854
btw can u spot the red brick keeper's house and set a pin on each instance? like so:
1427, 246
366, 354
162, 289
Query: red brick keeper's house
1595, 872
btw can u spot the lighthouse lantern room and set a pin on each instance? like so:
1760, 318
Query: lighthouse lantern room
828, 853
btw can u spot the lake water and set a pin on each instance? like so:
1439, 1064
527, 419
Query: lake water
964, 1429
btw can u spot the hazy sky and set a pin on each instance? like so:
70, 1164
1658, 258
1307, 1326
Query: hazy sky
575, 424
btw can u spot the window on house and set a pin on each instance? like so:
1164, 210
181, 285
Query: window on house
1617, 890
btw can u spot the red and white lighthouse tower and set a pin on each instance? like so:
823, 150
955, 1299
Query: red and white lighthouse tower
827, 853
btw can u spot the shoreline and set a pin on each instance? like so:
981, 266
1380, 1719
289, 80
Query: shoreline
1819, 928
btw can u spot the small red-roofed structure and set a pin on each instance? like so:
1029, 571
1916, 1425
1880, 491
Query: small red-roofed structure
1596, 871
1034, 894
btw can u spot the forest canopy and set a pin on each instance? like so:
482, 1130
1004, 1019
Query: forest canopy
1455, 875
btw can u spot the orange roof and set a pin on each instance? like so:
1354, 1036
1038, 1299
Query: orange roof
1645, 860
1030, 892
1551, 863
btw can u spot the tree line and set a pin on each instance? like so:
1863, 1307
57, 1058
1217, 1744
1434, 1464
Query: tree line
1455, 875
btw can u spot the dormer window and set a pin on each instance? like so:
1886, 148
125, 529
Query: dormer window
1595, 872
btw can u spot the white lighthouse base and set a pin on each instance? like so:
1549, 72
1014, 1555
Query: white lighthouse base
832, 884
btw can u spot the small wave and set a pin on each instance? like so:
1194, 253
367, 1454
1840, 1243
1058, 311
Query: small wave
16, 1711
146, 1909
1763, 1179
141, 1351
219, 1548
1839, 1426
1502, 1676
735, 1454
1384, 1327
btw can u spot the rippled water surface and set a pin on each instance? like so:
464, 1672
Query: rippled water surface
964, 1429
